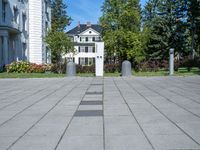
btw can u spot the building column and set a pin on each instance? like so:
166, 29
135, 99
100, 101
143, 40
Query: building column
5, 50
1, 52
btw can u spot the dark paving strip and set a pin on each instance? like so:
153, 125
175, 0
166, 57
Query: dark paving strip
148, 140
96, 84
88, 113
65, 130
41, 99
146, 99
94, 93
91, 103
104, 132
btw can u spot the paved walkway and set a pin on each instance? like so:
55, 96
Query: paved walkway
155, 113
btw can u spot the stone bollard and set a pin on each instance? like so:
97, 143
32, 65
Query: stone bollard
171, 61
126, 69
71, 69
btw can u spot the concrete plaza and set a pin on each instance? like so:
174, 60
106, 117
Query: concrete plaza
138, 113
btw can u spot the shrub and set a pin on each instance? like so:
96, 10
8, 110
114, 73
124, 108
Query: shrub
35, 68
187, 63
111, 68
56, 68
18, 67
79, 68
155, 65
26, 67
85, 69
151, 65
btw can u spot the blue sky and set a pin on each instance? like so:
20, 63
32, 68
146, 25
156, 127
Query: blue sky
85, 10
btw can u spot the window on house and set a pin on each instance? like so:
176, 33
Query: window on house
46, 28
15, 15
86, 49
80, 38
82, 61
79, 49
90, 49
86, 39
98, 38
46, 7
24, 22
85, 61
4, 11
48, 55
91, 61
93, 39
46, 10
82, 49
24, 51
93, 49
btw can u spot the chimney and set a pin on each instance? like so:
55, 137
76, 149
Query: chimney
88, 24
79, 24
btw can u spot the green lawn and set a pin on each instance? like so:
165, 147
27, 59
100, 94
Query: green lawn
30, 75
180, 72
85, 74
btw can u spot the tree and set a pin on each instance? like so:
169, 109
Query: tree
59, 19
121, 29
194, 21
57, 40
165, 20
60, 44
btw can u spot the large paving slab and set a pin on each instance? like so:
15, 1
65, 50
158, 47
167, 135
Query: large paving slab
136, 113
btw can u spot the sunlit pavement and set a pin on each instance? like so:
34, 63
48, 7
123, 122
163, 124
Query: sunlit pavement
134, 113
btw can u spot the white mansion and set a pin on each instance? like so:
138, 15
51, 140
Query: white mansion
84, 37
23, 25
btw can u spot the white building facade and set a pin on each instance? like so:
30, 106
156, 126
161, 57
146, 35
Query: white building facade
88, 45
23, 26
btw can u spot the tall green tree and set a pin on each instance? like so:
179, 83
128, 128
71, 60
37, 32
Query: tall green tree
194, 21
121, 29
60, 19
57, 40
60, 44
165, 20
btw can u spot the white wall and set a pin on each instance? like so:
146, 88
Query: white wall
99, 64
35, 31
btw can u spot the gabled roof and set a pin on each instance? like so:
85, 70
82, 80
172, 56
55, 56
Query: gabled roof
83, 27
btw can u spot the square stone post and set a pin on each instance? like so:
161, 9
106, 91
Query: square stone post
171, 61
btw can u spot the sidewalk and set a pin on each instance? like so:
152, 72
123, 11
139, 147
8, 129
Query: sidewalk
136, 113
